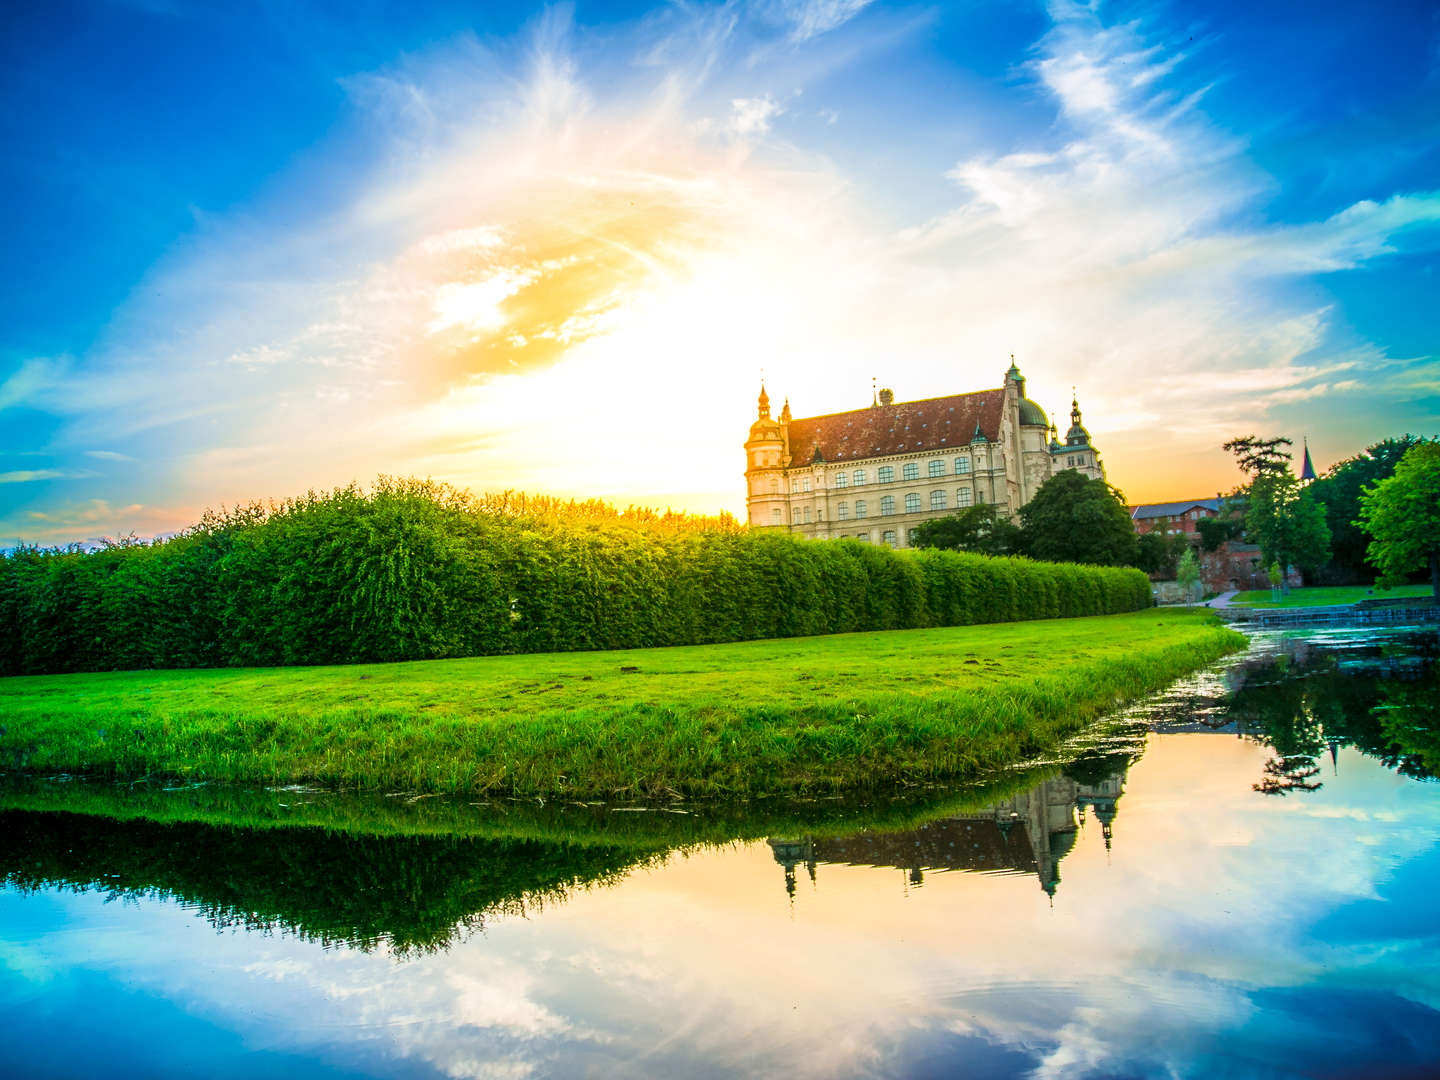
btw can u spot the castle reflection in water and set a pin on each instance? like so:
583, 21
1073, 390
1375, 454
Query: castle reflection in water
1028, 833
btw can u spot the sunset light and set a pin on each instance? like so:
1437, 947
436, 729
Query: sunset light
555, 253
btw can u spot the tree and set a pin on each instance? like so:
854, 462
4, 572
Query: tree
1073, 518
977, 528
1187, 573
1215, 531
1286, 521
1338, 491
1158, 553
1402, 514
1259, 457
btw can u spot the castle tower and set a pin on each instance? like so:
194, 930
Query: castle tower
765, 467
1078, 453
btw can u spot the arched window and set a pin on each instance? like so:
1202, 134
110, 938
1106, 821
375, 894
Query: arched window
912, 503
887, 505
937, 500
860, 509
774, 487
911, 470
962, 466
807, 515
888, 537
884, 474
842, 479
842, 511
858, 477
937, 467
775, 516
962, 496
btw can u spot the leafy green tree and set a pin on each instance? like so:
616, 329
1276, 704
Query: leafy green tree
1187, 573
1160, 554
1402, 514
1339, 490
1260, 457
977, 528
1073, 518
1217, 530
1286, 521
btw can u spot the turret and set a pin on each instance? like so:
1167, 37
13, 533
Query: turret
1077, 435
766, 497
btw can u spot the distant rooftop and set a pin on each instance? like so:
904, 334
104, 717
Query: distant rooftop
1171, 509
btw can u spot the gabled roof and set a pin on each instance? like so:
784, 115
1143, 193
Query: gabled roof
935, 425
1171, 509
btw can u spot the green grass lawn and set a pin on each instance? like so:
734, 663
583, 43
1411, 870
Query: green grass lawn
758, 717
1322, 596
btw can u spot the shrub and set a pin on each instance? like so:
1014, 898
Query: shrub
413, 570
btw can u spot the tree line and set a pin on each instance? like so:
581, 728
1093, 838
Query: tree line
411, 570
1374, 517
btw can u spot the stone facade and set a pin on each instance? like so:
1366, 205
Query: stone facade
874, 474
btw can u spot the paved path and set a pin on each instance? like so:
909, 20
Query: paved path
1223, 600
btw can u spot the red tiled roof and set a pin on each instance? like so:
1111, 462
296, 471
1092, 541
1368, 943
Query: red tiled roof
944, 423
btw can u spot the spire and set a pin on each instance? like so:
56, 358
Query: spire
785, 412
874, 393
1077, 435
764, 402
978, 436
1307, 471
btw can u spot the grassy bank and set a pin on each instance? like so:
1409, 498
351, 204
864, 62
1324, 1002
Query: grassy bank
1324, 595
808, 714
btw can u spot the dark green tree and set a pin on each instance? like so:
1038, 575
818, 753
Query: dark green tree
1259, 457
976, 528
1073, 518
1339, 490
1230, 525
1402, 514
1160, 554
1286, 521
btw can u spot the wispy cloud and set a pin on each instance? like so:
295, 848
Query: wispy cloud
27, 476
810, 18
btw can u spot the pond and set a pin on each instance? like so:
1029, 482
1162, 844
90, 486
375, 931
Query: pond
1237, 877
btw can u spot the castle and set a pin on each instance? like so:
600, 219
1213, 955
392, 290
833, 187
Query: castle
874, 474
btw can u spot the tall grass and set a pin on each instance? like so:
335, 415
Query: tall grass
415, 570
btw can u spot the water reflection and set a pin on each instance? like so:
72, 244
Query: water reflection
415, 893
1141, 908
1306, 697
1027, 833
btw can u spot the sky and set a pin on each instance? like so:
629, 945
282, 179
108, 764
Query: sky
255, 249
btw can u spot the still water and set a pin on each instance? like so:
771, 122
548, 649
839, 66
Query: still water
1238, 878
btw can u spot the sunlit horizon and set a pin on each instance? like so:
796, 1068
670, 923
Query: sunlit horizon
554, 251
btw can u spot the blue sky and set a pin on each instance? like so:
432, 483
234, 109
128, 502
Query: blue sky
258, 248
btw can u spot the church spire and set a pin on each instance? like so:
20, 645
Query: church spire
1307, 470
785, 412
764, 402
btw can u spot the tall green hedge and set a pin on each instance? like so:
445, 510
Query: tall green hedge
412, 570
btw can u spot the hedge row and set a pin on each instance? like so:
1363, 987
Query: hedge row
412, 570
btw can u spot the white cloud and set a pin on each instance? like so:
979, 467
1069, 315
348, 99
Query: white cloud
752, 116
